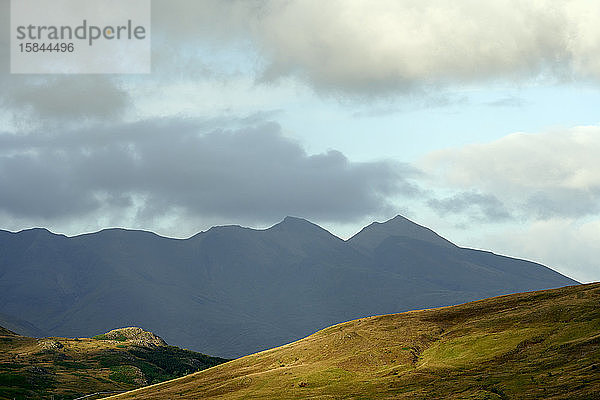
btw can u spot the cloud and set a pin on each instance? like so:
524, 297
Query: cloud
66, 98
366, 48
236, 169
357, 47
386, 47
545, 175
56, 98
479, 206
571, 244
542, 192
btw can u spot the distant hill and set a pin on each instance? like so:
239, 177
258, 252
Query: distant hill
537, 345
59, 368
18, 325
232, 291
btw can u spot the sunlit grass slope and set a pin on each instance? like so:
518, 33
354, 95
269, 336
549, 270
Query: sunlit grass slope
60, 368
537, 345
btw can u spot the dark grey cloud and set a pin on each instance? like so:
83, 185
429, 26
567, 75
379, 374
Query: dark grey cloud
231, 168
477, 205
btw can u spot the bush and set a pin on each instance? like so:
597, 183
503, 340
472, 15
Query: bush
124, 374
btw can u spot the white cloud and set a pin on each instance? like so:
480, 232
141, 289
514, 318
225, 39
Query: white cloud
549, 182
366, 47
570, 245
543, 175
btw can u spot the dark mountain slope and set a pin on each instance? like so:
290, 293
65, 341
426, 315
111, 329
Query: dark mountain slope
230, 290
18, 325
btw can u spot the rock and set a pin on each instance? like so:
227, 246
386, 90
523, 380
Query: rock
49, 344
136, 335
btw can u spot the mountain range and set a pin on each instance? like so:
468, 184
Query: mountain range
231, 291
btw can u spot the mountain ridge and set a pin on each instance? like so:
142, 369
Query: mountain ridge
230, 291
288, 220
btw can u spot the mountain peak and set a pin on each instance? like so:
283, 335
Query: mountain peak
295, 223
299, 230
295, 220
372, 235
38, 231
396, 219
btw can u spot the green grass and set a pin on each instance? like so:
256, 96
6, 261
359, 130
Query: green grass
124, 374
475, 348
13, 379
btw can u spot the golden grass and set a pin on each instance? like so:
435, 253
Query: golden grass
538, 345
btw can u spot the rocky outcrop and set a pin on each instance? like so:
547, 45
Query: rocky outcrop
49, 344
136, 335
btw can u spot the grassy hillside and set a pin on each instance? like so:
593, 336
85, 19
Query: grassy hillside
59, 368
538, 345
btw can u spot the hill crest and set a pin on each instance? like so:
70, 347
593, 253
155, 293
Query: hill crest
135, 335
534, 345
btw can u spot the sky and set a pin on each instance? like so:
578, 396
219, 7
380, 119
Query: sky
476, 119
